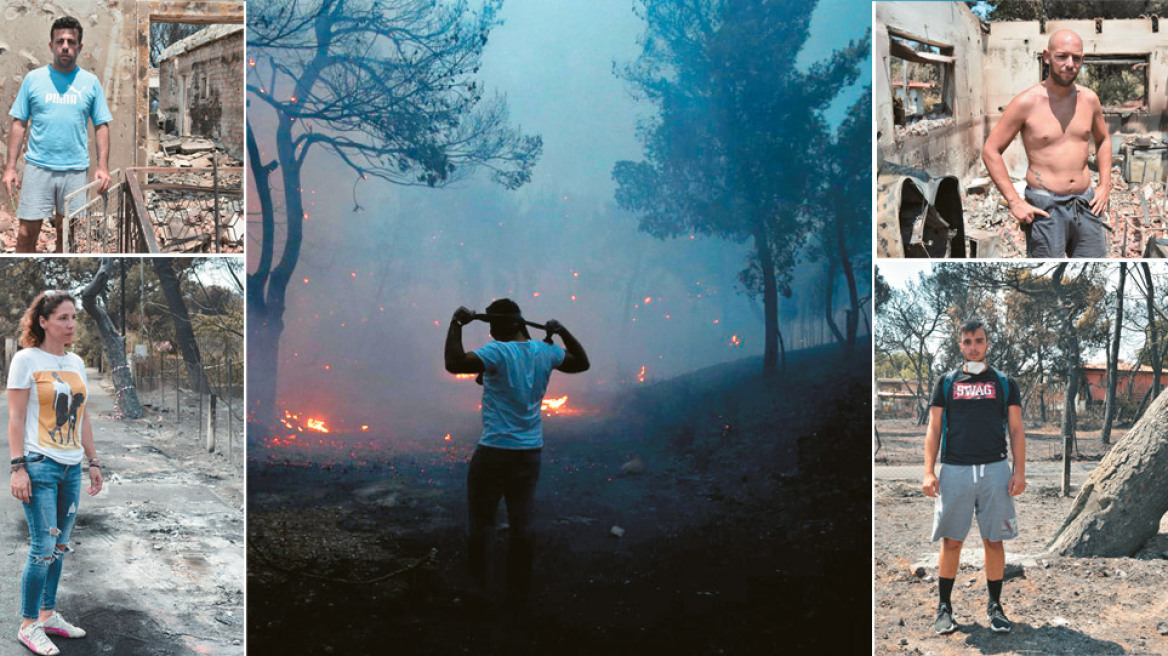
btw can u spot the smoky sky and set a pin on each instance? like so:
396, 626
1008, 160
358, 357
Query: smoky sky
372, 296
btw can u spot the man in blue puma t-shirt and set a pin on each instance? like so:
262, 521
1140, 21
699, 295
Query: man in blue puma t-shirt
505, 464
53, 107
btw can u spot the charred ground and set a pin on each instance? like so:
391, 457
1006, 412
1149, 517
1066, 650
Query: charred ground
746, 533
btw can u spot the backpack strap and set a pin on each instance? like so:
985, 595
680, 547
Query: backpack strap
946, 391
1005, 392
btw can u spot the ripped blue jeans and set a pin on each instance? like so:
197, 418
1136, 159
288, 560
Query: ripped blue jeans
56, 491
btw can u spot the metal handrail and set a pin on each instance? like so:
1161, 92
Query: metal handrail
70, 215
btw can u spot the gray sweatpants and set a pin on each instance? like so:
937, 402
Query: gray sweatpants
981, 488
1071, 230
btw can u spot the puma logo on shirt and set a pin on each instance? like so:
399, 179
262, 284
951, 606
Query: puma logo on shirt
62, 99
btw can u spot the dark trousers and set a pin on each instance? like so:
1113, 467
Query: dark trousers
510, 475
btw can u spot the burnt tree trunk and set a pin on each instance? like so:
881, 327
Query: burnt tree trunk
1113, 360
1070, 336
770, 300
1124, 499
1153, 329
184, 334
125, 395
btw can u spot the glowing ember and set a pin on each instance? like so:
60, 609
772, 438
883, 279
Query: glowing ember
641, 375
305, 280
735, 341
251, 62
554, 404
535, 294
648, 300
316, 425
447, 438
465, 376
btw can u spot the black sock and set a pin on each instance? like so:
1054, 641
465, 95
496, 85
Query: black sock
995, 588
945, 587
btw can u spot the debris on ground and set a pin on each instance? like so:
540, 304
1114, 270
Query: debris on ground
921, 126
184, 219
1137, 215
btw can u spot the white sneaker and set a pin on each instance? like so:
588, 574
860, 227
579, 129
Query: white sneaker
59, 626
33, 636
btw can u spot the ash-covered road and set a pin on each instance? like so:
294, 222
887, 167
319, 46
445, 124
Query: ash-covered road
158, 567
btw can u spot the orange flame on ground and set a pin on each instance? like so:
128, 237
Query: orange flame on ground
316, 425
464, 376
554, 404
641, 375
735, 341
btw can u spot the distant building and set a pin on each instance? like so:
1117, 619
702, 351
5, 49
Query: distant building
200, 86
896, 399
914, 100
1132, 384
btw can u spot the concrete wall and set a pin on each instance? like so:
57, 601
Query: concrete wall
201, 88
950, 150
115, 48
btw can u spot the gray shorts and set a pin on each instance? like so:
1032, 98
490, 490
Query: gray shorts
966, 488
1071, 230
42, 192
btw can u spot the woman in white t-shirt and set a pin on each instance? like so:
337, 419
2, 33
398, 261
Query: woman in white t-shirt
47, 391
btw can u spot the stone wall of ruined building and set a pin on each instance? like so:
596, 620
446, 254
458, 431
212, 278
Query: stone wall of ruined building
944, 145
201, 92
109, 48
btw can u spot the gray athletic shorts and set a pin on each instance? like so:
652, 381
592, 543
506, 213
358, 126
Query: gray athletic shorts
1071, 230
966, 488
42, 192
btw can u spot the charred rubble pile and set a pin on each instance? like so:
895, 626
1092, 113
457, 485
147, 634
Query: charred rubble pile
1137, 216
184, 218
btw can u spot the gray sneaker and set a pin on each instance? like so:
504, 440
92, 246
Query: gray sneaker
998, 621
944, 622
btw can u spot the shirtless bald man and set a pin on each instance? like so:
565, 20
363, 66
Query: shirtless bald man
1060, 214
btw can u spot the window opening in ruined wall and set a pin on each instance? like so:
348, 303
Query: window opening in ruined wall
1120, 81
921, 76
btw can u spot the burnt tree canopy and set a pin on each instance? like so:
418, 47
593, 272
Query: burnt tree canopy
1124, 499
385, 87
728, 153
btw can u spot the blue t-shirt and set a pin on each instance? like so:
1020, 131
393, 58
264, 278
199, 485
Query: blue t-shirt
58, 107
514, 381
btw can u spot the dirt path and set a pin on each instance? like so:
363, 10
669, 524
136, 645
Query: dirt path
1058, 605
159, 566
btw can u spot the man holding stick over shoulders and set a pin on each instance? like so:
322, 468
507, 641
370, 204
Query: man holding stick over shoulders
1060, 214
515, 372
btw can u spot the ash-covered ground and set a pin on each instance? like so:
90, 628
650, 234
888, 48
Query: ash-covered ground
1058, 605
747, 531
158, 562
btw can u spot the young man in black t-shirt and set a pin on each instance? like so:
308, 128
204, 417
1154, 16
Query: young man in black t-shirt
976, 412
